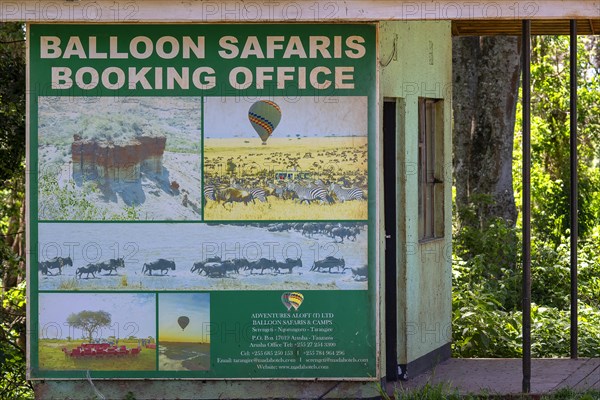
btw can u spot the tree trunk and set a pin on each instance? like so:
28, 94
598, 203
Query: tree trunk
486, 82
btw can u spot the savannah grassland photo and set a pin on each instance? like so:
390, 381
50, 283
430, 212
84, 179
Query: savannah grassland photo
184, 331
312, 167
111, 158
97, 332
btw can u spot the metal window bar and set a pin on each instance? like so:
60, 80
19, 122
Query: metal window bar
430, 147
574, 181
526, 60
423, 212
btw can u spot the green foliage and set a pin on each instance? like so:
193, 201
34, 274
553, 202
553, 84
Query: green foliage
485, 255
67, 202
486, 299
551, 272
12, 99
12, 353
550, 173
441, 391
480, 328
118, 119
428, 391
13, 384
129, 396
570, 394
486, 286
115, 127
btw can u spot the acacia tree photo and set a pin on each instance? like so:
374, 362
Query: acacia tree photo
89, 321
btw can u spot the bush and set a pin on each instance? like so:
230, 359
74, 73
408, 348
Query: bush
487, 295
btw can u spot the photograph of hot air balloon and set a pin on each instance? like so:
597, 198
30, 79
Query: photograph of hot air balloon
123, 158
264, 116
97, 331
302, 158
183, 331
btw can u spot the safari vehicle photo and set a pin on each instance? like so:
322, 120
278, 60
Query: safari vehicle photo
291, 176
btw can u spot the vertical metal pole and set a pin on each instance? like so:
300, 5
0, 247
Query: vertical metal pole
574, 182
526, 49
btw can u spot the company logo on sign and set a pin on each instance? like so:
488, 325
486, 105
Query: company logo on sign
292, 299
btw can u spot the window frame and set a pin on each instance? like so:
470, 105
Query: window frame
430, 169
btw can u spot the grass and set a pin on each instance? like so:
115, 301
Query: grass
279, 209
434, 392
76, 284
51, 357
213, 284
70, 284
442, 391
340, 155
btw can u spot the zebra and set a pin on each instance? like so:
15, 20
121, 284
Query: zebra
344, 194
309, 194
275, 190
210, 192
257, 193
282, 192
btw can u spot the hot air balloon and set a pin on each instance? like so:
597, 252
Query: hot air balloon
296, 299
264, 115
183, 321
285, 299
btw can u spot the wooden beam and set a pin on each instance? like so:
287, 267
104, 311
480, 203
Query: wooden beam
538, 27
232, 11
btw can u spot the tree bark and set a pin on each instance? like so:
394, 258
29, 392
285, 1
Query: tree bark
486, 74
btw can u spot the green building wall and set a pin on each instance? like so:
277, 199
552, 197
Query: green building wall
415, 61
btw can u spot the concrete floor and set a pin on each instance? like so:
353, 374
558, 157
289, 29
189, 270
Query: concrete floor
504, 376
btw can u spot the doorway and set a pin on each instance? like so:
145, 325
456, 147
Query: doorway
391, 284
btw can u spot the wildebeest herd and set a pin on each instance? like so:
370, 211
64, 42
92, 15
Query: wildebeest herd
215, 267
110, 266
329, 229
57, 263
311, 238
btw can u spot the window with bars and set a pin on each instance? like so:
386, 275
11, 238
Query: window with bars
431, 169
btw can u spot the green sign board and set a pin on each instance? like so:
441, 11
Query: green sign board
202, 201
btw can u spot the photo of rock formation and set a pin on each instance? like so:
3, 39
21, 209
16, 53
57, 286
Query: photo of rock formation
104, 158
94, 159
